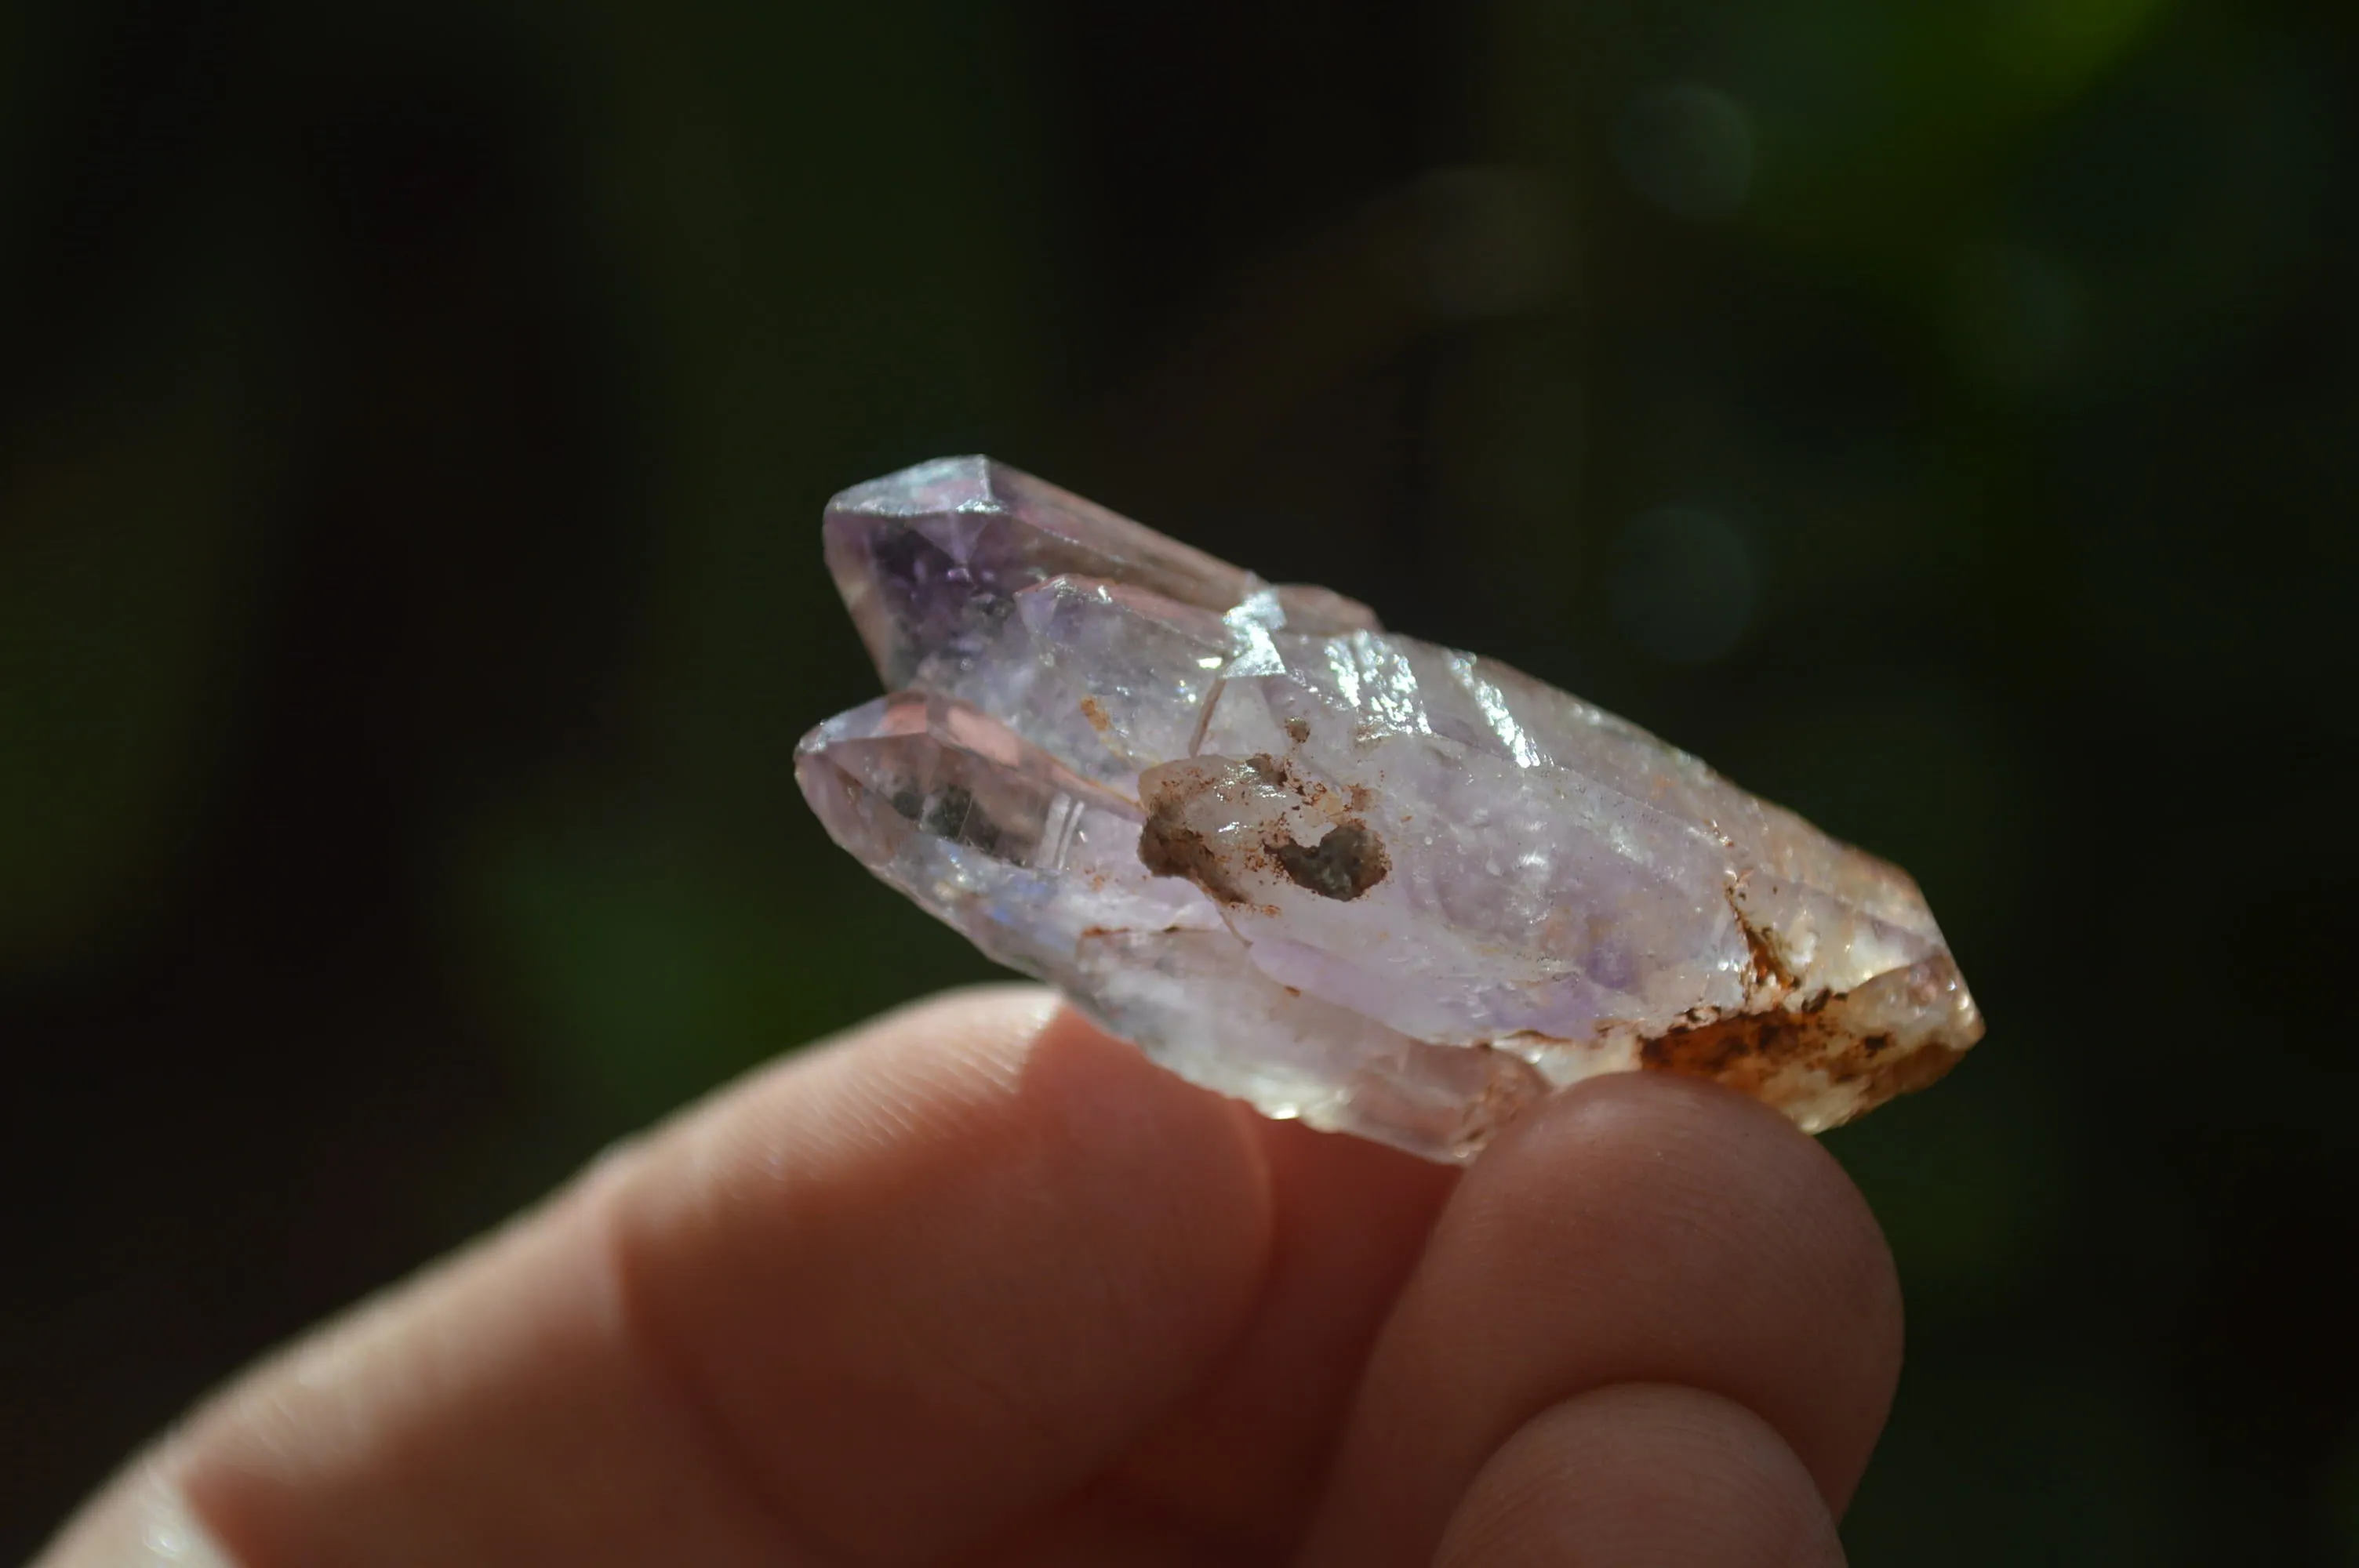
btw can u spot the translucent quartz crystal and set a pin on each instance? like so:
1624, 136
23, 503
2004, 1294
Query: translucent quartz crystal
1386, 887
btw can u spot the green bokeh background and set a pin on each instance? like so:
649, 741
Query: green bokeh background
414, 420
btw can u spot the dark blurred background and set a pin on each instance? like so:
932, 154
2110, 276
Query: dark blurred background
414, 421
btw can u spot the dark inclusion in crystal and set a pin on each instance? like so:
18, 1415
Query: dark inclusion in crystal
1345, 864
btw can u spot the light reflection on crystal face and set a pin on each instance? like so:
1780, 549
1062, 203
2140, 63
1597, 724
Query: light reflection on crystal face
1392, 888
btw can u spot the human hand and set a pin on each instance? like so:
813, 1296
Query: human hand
977, 1285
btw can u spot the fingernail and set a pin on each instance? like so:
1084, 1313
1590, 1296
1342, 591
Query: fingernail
144, 1524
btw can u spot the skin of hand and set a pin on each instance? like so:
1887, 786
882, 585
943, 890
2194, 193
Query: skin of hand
978, 1286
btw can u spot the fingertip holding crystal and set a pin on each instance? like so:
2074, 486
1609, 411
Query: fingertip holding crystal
1389, 888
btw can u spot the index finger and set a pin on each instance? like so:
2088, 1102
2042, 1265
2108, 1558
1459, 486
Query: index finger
868, 1306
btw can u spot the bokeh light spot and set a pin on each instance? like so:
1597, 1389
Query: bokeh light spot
2018, 319
1688, 148
1682, 585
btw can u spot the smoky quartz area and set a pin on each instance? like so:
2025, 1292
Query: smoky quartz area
1180, 838
1345, 863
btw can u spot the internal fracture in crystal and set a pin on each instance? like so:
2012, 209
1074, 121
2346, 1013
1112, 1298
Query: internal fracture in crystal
1389, 888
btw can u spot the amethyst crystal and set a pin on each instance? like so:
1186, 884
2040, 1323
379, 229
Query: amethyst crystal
1386, 887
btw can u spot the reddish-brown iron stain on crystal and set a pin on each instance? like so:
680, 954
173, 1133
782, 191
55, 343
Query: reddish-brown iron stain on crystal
1298, 731
1345, 863
1169, 848
1746, 1052
1767, 967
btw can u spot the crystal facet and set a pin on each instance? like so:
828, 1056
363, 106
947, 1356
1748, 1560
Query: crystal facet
1386, 887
